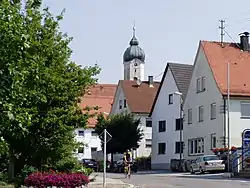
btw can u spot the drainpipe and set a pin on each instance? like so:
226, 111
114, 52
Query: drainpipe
224, 122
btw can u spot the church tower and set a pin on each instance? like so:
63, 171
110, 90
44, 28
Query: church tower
134, 60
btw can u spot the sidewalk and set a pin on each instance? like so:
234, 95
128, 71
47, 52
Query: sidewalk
110, 183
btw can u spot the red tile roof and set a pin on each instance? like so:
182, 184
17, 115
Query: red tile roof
140, 98
218, 58
100, 95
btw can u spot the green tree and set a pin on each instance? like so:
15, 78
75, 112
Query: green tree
125, 131
40, 86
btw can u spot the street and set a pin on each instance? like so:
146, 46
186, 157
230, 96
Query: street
160, 179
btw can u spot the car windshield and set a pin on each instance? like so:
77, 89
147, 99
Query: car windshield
211, 158
88, 160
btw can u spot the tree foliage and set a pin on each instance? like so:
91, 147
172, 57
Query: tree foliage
40, 85
125, 130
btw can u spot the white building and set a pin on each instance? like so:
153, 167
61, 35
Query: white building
165, 114
205, 109
100, 95
135, 95
137, 98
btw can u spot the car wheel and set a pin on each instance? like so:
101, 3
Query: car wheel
192, 171
201, 171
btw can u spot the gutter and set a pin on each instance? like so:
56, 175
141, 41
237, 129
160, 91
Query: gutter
224, 122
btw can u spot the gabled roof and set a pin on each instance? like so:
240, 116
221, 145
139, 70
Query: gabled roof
218, 58
100, 95
139, 97
182, 74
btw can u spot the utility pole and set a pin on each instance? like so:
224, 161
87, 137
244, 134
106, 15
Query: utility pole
222, 27
228, 116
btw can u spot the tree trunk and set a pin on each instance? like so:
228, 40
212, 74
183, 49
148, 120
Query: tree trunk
11, 167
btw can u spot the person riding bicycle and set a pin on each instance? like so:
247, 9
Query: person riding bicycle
127, 158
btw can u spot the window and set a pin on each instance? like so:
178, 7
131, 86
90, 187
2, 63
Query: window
213, 141
170, 99
178, 124
120, 104
213, 111
178, 147
80, 133
203, 84
190, 116
93, 133
162, 126
148, 143
245, 110
81, 149
196, 146
93, 149
200, 84
161, 148
125, 103
148, 122
201, 113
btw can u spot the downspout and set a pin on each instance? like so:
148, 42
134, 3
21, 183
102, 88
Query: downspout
224, 122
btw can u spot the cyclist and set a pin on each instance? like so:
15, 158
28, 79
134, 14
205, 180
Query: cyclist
127, 158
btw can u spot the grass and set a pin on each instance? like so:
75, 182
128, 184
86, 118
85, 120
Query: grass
5, 185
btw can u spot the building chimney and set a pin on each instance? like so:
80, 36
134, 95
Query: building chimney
150, 81
244, 41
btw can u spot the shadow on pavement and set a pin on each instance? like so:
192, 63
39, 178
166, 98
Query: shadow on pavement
211, 177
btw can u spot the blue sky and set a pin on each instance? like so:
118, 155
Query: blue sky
168, 31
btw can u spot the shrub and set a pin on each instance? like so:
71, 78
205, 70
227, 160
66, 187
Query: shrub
19, 179
41, 180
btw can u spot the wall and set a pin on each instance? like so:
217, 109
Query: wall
147, 131
129, 70
194, 100
142, 150
90, 141
237, 124
164, 111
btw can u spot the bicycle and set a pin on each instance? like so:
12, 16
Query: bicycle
127, 169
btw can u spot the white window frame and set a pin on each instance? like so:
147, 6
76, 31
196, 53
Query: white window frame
171, 98
203, 84
120, 104
213, 111
213, 141
79, 134
198, 146
148, 143
243, 115
198, 85
190, 116
201, 113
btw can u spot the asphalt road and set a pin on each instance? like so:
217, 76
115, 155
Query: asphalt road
161, 179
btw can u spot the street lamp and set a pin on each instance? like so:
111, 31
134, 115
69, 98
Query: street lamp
181, 124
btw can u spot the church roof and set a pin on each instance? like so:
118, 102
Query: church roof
134, 51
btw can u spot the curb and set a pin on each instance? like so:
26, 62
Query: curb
122, 183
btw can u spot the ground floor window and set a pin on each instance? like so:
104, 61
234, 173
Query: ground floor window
161, 148
196, 146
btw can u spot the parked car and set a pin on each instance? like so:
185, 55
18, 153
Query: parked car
119, 166
207, 163
90, 163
